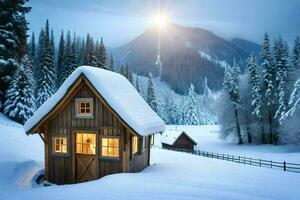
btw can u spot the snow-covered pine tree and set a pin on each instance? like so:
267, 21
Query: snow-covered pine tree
123, 70
296, 54
31, 52
46, 81
137, 85
161, 109
13, 28
174, 112
256, 93
101, 55
129, 74
269, 81
93, 57
230, 86
60, 68
282, 65
20, 102
70, 56
151, 95
191, 114
111, 63
87, 60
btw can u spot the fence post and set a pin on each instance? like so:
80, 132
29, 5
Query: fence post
271, 163
284, 166
250, 161
239, 159
260, 162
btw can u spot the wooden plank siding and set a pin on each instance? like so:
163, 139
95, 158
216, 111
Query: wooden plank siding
61, 168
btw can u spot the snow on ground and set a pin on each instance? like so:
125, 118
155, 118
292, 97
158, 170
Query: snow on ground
21, 156
172, 175
208, 140
175, 175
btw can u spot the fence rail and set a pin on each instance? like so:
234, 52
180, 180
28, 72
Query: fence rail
285, 166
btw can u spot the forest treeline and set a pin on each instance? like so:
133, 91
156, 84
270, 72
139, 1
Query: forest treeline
261, 105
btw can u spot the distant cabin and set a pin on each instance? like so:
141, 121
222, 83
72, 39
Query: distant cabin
94, 125
173, 139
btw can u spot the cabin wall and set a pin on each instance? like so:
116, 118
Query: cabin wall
61, 168
184, 142
141, 160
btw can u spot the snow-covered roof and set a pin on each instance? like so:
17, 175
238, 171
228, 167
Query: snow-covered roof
170, 136
117, 91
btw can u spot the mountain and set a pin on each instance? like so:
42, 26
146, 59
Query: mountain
184, 55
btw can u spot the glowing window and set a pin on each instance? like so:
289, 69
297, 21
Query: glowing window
134, 145
110, 147
86, 143
84, 107
60, 145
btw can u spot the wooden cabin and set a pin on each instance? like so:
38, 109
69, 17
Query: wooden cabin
173, 139
95, 124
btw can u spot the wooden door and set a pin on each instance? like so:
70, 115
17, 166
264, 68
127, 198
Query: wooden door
85, 158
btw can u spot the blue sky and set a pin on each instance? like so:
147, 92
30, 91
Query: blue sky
119, 21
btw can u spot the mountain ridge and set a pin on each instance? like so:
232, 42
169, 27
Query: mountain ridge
194, 52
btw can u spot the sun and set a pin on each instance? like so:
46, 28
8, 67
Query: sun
160, 20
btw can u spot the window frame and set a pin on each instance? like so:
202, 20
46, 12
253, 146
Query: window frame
53, 146
82, 133
84, 100
144, 143
137, 145
100, 147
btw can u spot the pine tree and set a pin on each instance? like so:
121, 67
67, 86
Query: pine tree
31, 52
46, 81
269, 75
151, 95
20, 102
101, 56
256, 92
281, 62
13, 28
230, 85
70, 56
61, 60
296, 54
129, 74
137, 85
191, 114
111, 63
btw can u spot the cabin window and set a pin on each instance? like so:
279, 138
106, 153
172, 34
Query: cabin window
110, 147
60, 145
86, 143
135, 144
84, 107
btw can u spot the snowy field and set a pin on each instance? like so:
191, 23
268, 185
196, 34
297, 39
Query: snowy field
172, 175
208, 140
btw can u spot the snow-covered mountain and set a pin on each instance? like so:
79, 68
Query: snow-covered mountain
187, 55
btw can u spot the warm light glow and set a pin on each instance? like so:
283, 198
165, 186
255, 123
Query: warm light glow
160, 20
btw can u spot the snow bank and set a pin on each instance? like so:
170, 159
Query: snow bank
119, 94
21, 156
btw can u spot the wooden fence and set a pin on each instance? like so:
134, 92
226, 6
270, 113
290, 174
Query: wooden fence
285, 166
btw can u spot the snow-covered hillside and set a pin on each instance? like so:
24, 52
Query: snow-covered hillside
172, 175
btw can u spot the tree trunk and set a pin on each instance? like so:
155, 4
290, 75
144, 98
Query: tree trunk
263, 138
270, 126
248, 133
238, 126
